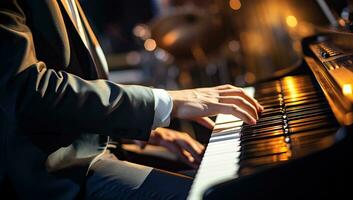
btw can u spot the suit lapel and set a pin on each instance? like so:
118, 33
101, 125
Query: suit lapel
68, 12
96, 51
72, 20
95, 44
49, 28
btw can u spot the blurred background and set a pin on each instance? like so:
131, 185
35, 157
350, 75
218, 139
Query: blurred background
177, 44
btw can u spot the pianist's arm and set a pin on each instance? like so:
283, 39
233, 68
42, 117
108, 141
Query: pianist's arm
44, 100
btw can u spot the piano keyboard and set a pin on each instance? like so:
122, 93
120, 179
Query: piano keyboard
297, 121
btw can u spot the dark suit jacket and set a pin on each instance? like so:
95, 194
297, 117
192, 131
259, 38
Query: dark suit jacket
52, 93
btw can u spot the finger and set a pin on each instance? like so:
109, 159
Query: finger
202, 147
188, 155
195, 144
240, 92
141, 144
238, 112
251, 100
205, 121
224, 87
194, 150
182, 154
242, 103
187, 158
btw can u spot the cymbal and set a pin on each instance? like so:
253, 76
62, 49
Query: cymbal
188, 33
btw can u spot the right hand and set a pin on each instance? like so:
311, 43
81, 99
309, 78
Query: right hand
226, 99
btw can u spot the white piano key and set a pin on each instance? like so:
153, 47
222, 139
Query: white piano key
222, 118
227, 126
220, 160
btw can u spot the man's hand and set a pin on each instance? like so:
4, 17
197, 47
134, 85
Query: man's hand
185, 147
199, 103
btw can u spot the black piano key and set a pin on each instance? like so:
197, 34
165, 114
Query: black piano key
263, 124
268, 152
302, 102
267, 141
264, 135
306, 107
264, 160
296, 118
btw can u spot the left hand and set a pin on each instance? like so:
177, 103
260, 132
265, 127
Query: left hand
182, 144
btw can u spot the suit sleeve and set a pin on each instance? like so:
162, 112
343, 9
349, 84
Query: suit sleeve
49, 101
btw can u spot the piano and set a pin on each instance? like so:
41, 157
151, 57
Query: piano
302, 146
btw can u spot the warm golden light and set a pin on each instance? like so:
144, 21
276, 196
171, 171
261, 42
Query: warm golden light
285, 156
341, 22
170, 38
292, 86
234, 4
150, 44
142, 31
234, 45
250, 77
291, 21
347, 89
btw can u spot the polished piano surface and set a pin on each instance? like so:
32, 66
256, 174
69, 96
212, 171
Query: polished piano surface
301, 147
299, 54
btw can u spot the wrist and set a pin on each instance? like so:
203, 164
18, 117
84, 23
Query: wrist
173, 97
181, 99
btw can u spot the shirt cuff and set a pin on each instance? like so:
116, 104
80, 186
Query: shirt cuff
163, 106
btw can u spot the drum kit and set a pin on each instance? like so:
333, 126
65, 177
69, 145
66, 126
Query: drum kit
213, 42
194, 37
188, 34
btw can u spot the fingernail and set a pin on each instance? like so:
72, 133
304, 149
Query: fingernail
253, 122
191, 159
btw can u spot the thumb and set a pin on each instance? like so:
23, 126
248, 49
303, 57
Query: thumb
205, 121
141, 144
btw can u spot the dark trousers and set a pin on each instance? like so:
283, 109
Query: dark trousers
111, 178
